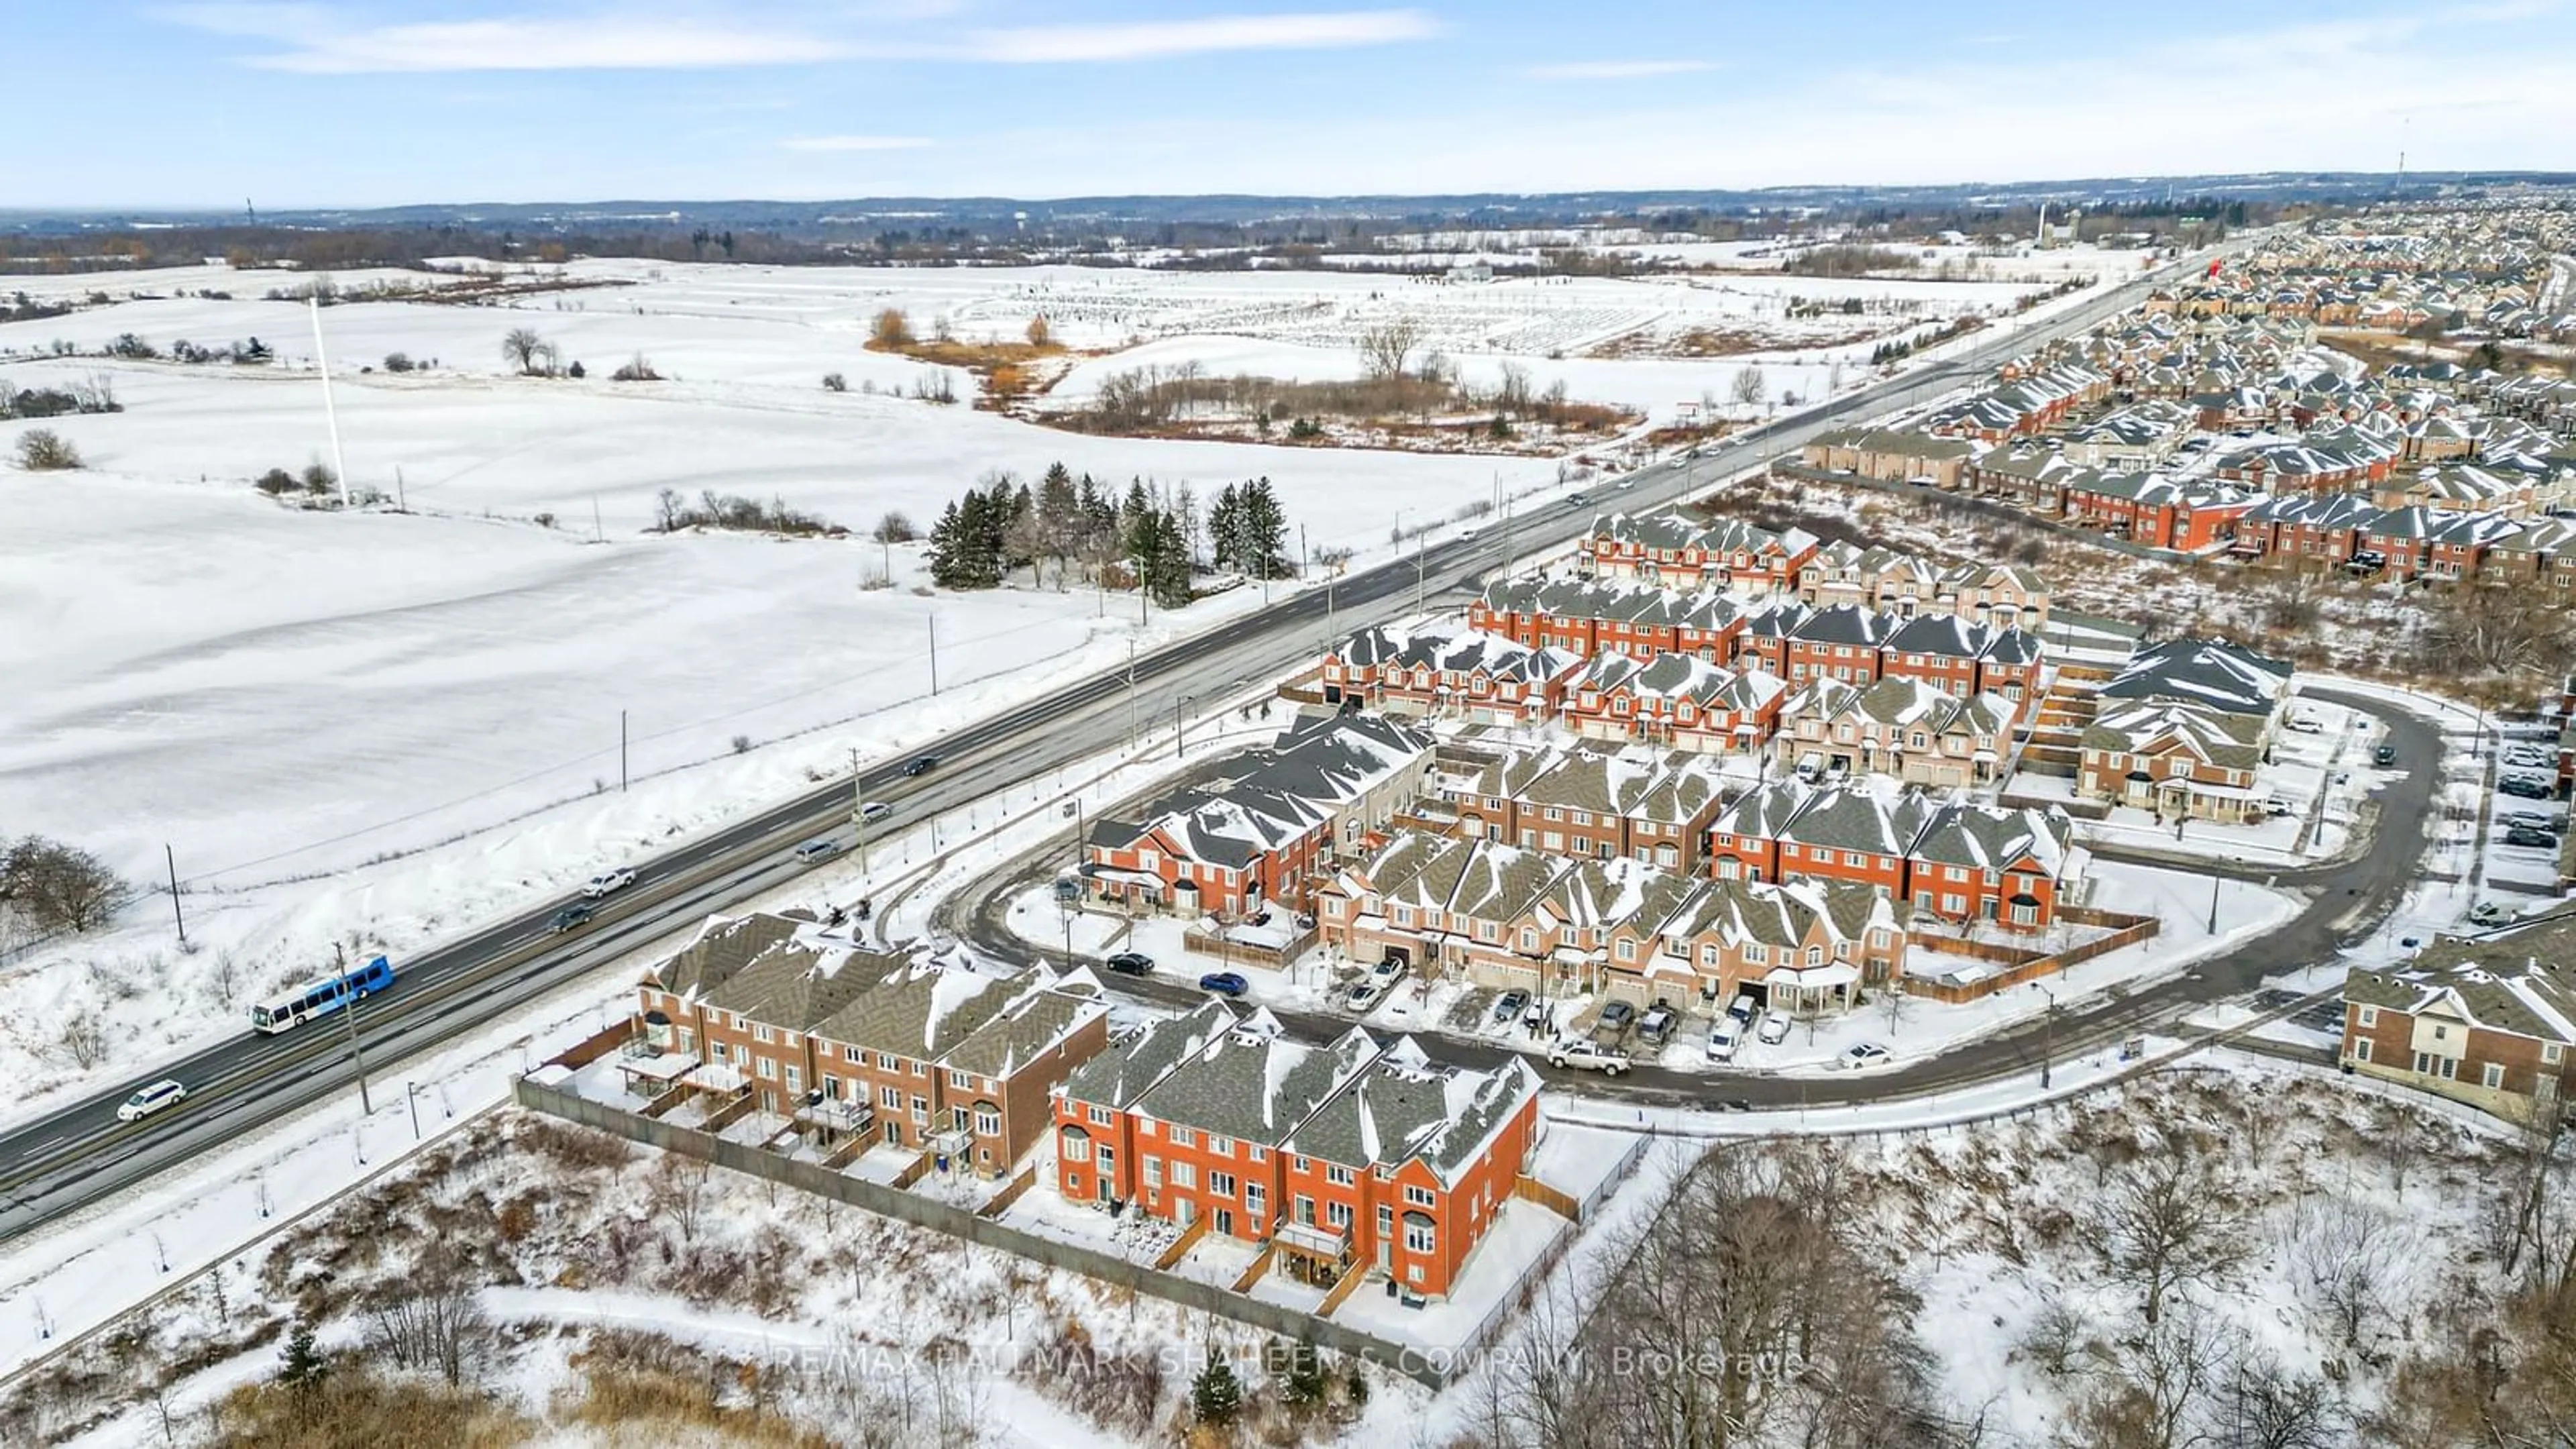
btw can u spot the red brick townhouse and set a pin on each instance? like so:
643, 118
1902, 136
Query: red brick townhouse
2155, 511
1342, 1158
1987, 863
1586, 802
1850, 833
2490, 1021
1673, 549
1261, 835
1939, 649
1404, 1171
1482, 677
1764, 644
1674, 699
2314, 530
844, 1042
1841, 643
1805, 948
1744, 839
1586, 617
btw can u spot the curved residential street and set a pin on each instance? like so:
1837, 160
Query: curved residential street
2349, 899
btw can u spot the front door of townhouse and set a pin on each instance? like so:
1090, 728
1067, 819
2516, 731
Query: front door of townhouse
1108, 1171
1225, 1221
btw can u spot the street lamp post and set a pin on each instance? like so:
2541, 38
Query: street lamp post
1179, 723
2047, 1038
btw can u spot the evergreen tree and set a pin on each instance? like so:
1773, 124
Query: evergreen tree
1215, 1395
951, 546
1225, 517
1303, 1385
301, 1366
1359, 1386
1261, 533
1058, 526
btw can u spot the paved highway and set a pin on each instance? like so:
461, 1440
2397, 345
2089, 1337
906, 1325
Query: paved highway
78, 1154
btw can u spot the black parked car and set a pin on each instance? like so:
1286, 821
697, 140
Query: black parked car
2384, 755
1131, 963
2537, 839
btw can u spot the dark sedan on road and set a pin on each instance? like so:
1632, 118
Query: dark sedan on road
1131, 963
920, 765
571, 918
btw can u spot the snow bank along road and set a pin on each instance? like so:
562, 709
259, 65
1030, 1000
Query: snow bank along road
2351, 897
74, 1156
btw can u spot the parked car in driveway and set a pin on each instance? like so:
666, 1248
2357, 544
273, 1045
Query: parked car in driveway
607, 881
1656, 1025
1508, 1006
1723, 1039
2384, 756
1742, 1009
1224, 983
1131, 963
2489, 913
2534, 820
1614, 1021
1587, 1057
1775, 1028
1364, 995
151, 1099
2529, 787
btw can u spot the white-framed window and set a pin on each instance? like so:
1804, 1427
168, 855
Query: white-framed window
988, 1124
768, 1068
1184, 1174
920, 1111
2361, 1050
795, 1080
890, 1098
1337, 1175
1418, 1238
2552, 1052
1153, 1172
2494, 1076
1221, 1183
1102, 1116
1338, 1214
886, 1062
962, 1081
1183, 1136
761, 1033
2366, 1018
1220, 1146
1418, 1196
1075, 1149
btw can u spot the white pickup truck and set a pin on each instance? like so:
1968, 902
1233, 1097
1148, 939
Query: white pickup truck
1588, 1057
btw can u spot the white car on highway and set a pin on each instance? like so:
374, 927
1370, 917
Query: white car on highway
151, 1099
607, 881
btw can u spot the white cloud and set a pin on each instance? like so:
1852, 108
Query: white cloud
855, 143
312, 40
1616, 69
1151, 39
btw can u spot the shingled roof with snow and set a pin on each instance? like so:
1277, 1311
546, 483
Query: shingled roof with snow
1403, 1107
2209, 672
2518, 981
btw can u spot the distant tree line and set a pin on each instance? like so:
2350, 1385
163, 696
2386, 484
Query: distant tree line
94, 394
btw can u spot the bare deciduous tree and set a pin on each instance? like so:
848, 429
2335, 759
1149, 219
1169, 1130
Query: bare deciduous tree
1385, 347
2168, 1219
2352, 1260
522, 347
1748, 388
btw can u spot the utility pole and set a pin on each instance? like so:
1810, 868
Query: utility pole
933, 621
2047, 1038
411, 1098
1178, 705
1133, 725
621, 752
1419, 561
350, 1011
330, 412
172, 859
2214, 880
402, 504
598, 531
858, 810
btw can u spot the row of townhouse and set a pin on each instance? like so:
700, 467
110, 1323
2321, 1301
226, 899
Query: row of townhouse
1676, 550
1953, 861
1485, 678
2488, 1020
1282, 816
1914, 730
1582, 801
1674, 699
2183, 729
1502, 916
1587, 617
1853, 645
1894, 455
2000, 595
2352, 532
845, 1042
1347, 1157
2039, 397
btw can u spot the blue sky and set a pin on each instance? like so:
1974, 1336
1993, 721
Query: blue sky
378, 102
